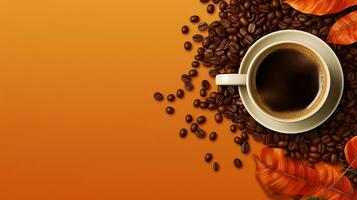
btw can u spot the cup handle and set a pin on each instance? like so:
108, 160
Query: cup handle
231, 79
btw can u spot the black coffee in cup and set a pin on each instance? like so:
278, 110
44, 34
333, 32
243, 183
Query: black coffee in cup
289, 81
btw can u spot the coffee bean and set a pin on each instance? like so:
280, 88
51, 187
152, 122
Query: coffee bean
188, 118
208, 157
158, 96
203, 92
233, 128
223, 5
183, 132
321, 148
188, 45
216, 1
180, 93
203, 105
238, 140
218, 117
202, 26
237, 163
170, 110
201, 119
206, 85
192, 73
194, 127
195, 64
245, 148
185, 78
197, 37
244, 135
204, 1
188, 86
210, 8
171, 97
200, 133
185, 29
251, 28
215, 166
194, 18
213, 136
196, 103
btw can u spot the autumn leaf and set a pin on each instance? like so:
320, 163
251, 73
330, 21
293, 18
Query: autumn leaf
351, 152
284, 176
344, 31
329, 176
320, 7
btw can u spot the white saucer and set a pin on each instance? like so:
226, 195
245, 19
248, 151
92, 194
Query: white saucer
333, 98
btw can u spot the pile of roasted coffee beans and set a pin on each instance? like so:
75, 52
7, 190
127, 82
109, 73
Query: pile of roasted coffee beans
240, 24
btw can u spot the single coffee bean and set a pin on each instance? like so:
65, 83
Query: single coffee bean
180, 93
218, 117
215, 166
185, 29
192, 73
185, 78
196, 103
195, 64
244, 135
238, 140
188, 45
194, 18
171, 97
216, 1
194, 127
206, 85
204, 1
203, 92
201, 119
170, 110
233, 128
202, 26
197, 38
200, 133
203, 105
158, 96
188, 86
210, 8
188, 118
245, 147
213, 136
183, 132
208, 157
237, 163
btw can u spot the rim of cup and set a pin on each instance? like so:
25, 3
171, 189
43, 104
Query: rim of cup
250, 76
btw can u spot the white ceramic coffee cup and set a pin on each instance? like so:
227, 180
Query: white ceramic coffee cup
245, 80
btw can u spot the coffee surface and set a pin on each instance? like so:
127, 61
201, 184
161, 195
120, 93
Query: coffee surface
288, 79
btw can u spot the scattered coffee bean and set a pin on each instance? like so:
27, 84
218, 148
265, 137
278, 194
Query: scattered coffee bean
188, 118
215, 166
200, 133
218, 117
197, 38
202, 26
188, 86
180, 93
188, 45
213, 136
194, 18
238, 140
237, 163
208, 157
206, 85
210, 8
185, 29
195, 64
170, 110
233, 128
194, 127
183, 132
204, 1
171, 97
192, 73
196, 103
158, 96
203, 92
201, 119
245, 147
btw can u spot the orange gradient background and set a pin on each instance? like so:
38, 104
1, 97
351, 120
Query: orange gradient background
77, 116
